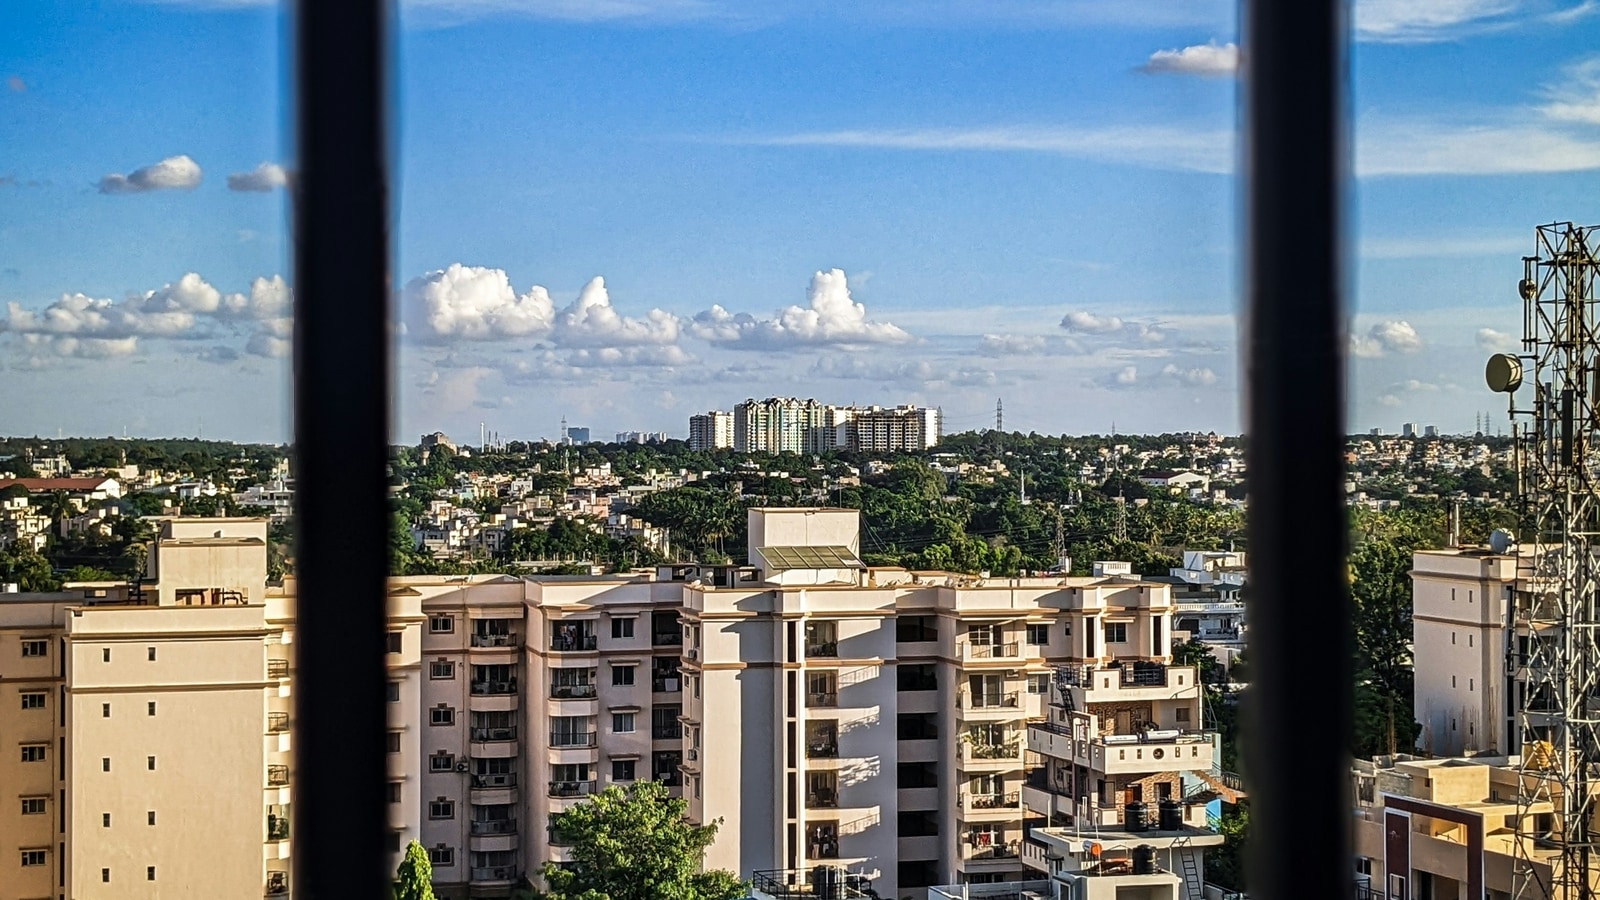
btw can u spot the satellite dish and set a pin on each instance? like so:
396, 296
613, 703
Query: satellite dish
1527, 288
1503, 373
1500, 541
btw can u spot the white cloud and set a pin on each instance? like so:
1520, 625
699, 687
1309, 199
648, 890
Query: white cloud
1385, 338
1576, 97
1503, 143
82, 347
477, 303
1422, 21
666, 356
172, 173
1491, 341
1090, 323
262, 179
591, 321
1197, 377
830, 317
1211, 60
269, 298
1012, 345
1127, 376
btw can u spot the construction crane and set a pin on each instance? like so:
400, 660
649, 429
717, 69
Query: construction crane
1555, 634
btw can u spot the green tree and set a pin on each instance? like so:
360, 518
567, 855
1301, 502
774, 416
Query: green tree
414, 880
633, 844
27, 569
1225, 865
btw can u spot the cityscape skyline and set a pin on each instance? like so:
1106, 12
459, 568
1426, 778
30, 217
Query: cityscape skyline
842, 221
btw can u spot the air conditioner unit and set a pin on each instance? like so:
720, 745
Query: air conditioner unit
462, 766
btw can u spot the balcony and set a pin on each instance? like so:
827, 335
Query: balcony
494, 688
277, 884
572, 692
823, 650
503, 733
494, 640
583, 643
1011, 801
277, 668
978, 847
1147, 752
494, 826
574, 739
810, 884
981, 651
666, 639
277, 722
671, 732
277, 827
822, 699
494, 873
572, 788
277, 776
666, 684
822, 798
995, 700
822, 749
495, 780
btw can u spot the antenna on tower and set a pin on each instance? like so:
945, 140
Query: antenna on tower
999, 416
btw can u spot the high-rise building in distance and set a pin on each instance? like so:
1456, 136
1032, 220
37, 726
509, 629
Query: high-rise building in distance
711, 430
792, 425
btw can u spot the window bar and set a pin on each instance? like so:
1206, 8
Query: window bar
1298, 714
341, 425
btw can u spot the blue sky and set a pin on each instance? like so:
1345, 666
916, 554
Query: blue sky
941, 202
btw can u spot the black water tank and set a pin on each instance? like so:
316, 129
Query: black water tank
1170, 815
1144, 860
1133, 816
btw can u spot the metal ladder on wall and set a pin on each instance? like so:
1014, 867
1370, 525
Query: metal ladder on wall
1193, 886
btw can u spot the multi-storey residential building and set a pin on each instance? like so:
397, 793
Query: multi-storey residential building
711, 430
875, 429
783, 425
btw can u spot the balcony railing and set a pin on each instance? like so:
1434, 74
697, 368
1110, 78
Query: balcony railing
277, 776
822, 749
823, 649
494, 873
989, 699
666, 684
1010, 800
918, 683
1091, 677
822, 798
277, 828
1001, 849
572, 692
277, 884
277, 722
580, 644
483, 688
277, 668
494, 826
494, 780
559, 839
666, 732
572, 738
822, 699
974, 650
504, 733
1011, 749
572, 788
494, 640
666, 638
811, 883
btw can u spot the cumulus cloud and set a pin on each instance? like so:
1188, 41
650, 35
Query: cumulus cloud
1492, 341
1211, 60
269, 298
591, 321
82, 347
1197, 377
262, 179
1127, 376
1012, 345
1082, 322
478, 303
1385, 338
831, 317
666, 356
172, 173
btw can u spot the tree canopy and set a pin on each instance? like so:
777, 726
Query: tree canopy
414, 880
633, 843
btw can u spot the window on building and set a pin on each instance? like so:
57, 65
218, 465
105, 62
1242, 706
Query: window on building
622, 723
1181, 714
150, 817
442, 856
33, 700
916, 677
441, 809
622, 675
394, 792
822, 639
1116, 632
916, 629
105, 710
392, 742
105, 654
150, 763
151, 652
105, 820
393, 692
394, 641
442, 668
149, 873
33, 806
35, 648
1039, 684
441, 762
441, 715
33, 857
622, 770
1039, 635
33, 752
622, 628
441, 624
105, 875
150, 708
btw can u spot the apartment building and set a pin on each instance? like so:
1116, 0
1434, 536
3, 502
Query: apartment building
784, 425
876, 429
711, 430
1465, 697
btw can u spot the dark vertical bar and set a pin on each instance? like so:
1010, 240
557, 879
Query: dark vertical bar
1298, 706
341, 409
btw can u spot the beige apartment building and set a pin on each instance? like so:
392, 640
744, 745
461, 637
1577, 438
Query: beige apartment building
826, 712
1465, 697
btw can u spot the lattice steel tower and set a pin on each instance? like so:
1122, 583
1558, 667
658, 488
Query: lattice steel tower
1555, 648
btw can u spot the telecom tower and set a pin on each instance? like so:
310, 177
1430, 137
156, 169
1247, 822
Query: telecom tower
1556, 650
